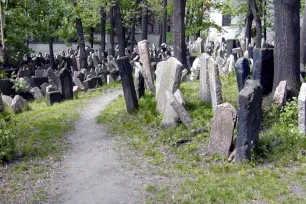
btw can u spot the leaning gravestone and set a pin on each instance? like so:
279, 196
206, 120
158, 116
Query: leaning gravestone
222, 129
214, 83
249, 119
170, 117
263, 68
204, 78
129, 92
242, 72
147, 73
37, 93
19, 104
168, 78
54, 77
280, 94
66, 87
78, 83
302, 109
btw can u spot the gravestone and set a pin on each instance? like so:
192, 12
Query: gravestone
230, 45
19, 104
66, 87
139, 81
168, 78
195, 69
109, 79
78, 83
249, 119
55, 78
38, 81
125, 70
170, 117
204, 79
37, 93
92, 83
214, 83
222, 129
147, 71
7, 100
1, 106
242, 72
301, 109
43, 88
280, 94
53, 97
263, 68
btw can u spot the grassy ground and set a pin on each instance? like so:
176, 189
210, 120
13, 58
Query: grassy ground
275, 174
40, 139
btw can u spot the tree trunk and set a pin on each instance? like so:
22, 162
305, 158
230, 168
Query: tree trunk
265, 21
92, 36
119, 29
248, 27
144, 22
111, 32
257, 20
4, 51
134, 25
303, 40
287, 48
52, 61
81, 43
103, 22
179, 31
164, 24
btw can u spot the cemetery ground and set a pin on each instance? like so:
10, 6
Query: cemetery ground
40, 141
275, 173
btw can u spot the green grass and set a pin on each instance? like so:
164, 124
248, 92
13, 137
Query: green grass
198, 178
40, 139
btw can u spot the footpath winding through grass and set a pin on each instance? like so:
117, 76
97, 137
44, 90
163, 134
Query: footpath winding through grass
275, 174
40, 140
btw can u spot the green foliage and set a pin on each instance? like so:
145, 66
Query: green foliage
3, 74
289, 114
7, 138
19, 85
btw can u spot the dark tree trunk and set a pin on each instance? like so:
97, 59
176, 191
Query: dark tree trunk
161, 35
119, 29
265, 21
103, 22
179, 31
144, 22
303, 40
52, 61
134, 25
257, 20
164, 24
248, 27
111, 32
287, 47
92, 35
81, 43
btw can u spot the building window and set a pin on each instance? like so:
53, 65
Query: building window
226, 20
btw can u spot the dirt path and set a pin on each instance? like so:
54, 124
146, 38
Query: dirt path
92, 171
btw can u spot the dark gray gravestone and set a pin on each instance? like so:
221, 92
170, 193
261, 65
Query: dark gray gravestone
53, 97
92, 83
263, 68
249, 119
66, 88
38, 81
129, 92
242, 72
230, 45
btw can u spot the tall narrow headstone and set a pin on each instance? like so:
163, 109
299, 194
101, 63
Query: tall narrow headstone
230, 44
139, 81
214, 83
125, 70
242, 72
147, 73
263, 68
204, 78
249, 119
66, 88
302, 109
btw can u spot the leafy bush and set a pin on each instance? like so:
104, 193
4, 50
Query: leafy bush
19, 85
7, 138
289, 113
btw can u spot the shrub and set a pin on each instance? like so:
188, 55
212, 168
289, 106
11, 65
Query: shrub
7, 138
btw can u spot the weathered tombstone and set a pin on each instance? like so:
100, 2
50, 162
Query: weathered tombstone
249, 119
301, 108
139, 81
55, 78
38, 81
66, 87
19, 104
1, 105
78, 83
280, 94
231, 64
222, 129
179, 109
129, 92
263, 68
37, 93
242, 72
92, 83
146, 62
204, 79
230, 44
7, 100
214, 83
93, 72
195, 69
109, 79
43, 88
170, 117
53, 97
168, 78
